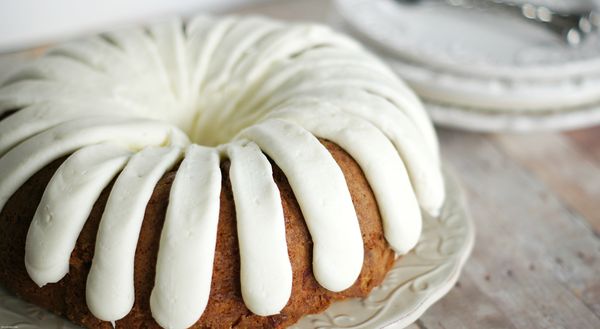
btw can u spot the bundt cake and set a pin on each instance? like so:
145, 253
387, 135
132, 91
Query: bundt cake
214, 173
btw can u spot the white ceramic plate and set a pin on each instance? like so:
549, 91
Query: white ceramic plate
471, 42
416, 281
493, 72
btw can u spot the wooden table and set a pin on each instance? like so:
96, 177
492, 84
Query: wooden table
535, 200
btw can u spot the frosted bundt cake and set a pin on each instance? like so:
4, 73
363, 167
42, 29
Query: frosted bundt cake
218, 173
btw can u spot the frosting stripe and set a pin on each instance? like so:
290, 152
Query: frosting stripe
34, 119
380, 164
57, 68
285, 75
27, 158
332, 79
94, 52
37, 91
204, 36
265, 269
288, 42
320, 188
239, 44
58, 220
187, 244
424, 172
170, 45
109, 288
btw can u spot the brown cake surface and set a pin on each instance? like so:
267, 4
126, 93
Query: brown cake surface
225, 308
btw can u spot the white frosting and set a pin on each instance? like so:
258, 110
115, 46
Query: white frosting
109, 289
40, 117
380, 163
242, 85
265, 269
59, 220
187, 244
319, 186
424, 170
24, 160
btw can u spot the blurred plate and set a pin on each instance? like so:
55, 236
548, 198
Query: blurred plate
482, 64
474, 119
470, 42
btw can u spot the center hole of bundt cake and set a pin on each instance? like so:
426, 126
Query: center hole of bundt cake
217, 120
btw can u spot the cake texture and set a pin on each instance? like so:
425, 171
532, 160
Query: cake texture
218, 173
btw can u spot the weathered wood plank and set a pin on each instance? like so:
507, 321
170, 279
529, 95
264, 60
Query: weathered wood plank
588, 141
526, 254
465, 307
561, 166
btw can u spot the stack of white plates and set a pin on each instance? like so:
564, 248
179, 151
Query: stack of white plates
482, 70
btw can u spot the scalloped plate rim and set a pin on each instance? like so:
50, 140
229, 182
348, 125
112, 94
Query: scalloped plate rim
406, 316
438, 294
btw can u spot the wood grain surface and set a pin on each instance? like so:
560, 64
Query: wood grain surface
535, 200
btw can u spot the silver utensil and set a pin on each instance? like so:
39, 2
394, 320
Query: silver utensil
573, 27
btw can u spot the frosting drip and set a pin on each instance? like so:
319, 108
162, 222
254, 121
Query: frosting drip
109, 288
319, 186
265, 269
380, 163
30, 156
58, 220
187, 244
127, 104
